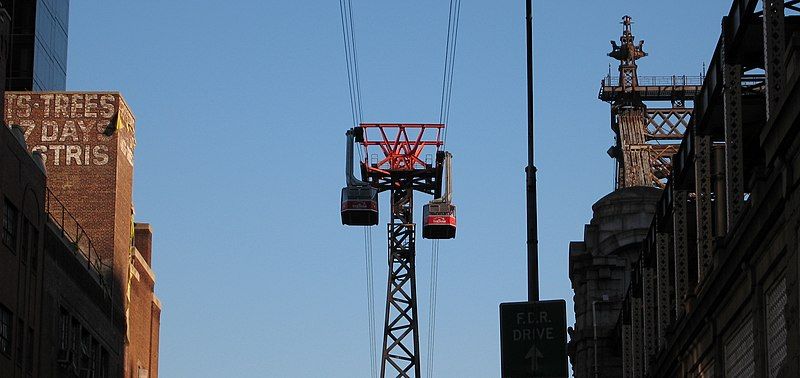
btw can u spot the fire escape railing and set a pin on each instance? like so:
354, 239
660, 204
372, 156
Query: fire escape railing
80, 242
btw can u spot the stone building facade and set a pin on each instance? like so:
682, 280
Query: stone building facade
714, 289
599, 269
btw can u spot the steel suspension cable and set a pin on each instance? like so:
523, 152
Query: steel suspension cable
452, 64
372, 309
432, 306
450, 58
355, 63
354, 88
370, 285
444, 115
446, 62
347, 55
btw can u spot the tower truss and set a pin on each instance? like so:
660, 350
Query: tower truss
401, 331
402, 158
646, 137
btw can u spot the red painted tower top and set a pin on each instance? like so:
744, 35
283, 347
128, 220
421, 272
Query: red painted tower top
402, 146
394, 151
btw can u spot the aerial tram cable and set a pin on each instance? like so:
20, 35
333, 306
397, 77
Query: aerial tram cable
346, 35
370, 292
355, 63
354, 87
444, 115
450, 57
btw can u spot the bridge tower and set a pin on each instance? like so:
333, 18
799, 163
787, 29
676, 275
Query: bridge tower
646, 138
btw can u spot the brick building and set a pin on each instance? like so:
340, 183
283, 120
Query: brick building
98, 311
76, 287
55, 309
710, 287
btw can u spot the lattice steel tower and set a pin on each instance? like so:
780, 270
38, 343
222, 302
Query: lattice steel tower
401, 159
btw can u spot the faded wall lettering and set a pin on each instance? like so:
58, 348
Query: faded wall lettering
73, 129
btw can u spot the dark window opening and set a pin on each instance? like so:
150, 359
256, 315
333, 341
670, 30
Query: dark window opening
63, 329
94, 358
10, 226
75, 335
85, 352
34, 249
29, 352
5, 330
103, 372
20, 341
23, 245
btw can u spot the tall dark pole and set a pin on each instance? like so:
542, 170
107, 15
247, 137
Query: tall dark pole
530, 173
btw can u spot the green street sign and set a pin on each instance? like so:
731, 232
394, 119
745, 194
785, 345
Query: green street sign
533, 339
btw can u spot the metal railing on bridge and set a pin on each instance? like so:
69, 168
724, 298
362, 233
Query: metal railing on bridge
659, 81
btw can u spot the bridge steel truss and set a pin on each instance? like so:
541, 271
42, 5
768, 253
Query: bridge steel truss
647, 138
410, 159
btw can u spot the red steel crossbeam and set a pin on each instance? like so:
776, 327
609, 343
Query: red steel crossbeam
402, 145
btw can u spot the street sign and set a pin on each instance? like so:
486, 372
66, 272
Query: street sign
533, 339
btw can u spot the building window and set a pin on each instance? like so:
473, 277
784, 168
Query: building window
75, 337
5, 330
20, 341
65, 353
739, 351
85, 351
34, 249
10, 226
94, 358
104, 370
777, 347
63, 329
29, 352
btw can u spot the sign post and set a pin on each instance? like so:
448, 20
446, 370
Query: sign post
533, 339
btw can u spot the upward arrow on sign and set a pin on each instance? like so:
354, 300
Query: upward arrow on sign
534, 355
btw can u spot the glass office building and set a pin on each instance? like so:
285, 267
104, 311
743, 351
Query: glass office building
38, 55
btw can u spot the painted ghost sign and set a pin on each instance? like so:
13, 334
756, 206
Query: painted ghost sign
73, 128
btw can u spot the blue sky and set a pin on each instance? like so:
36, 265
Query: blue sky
241, 112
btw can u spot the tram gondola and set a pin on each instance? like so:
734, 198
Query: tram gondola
359, 198
439, 215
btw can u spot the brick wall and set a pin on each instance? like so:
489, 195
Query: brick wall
22, 185
87, 139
